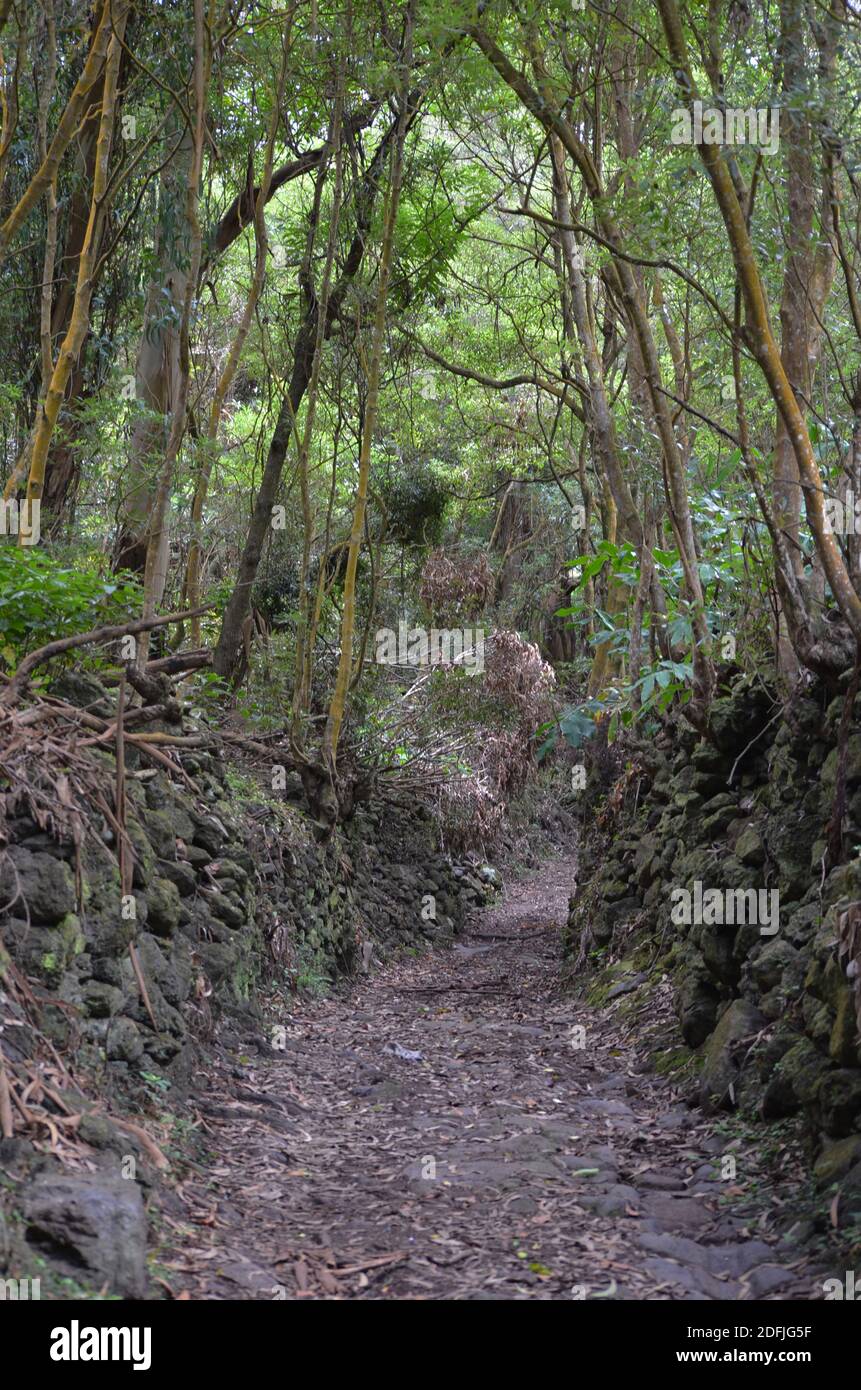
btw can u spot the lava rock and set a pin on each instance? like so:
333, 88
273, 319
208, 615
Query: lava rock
91, 1225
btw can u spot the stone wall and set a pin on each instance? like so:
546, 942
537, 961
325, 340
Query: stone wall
770, 1014
227, 891
233, 895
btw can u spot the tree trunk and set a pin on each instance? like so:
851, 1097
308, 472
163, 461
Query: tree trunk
208, 452
230, 638
49, 408
626, 285
760, 339
806, 283
108, 20
158, 372
158, 548
337, 707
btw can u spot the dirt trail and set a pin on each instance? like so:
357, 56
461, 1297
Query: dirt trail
503, 1162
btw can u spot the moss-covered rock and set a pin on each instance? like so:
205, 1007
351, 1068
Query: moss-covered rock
123, 1041
739, 1022
144, 856
101, 1000
853, 763
836, 1159
843, 1043
36, 885
796, 1081
777, 962
839, 1101
163, 907
749, 848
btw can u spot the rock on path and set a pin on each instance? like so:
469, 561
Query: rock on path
437, 1134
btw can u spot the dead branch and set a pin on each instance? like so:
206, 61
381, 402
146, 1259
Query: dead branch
83, 639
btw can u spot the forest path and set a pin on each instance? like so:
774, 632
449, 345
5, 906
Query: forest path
504, 1162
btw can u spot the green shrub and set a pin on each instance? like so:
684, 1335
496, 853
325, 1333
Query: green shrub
44, 596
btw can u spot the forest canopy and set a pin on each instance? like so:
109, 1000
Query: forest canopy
321, 320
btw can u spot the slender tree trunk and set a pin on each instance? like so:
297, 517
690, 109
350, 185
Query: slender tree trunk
225, 380
45, 299
760, 338
306, 629
337, 707
158, 369
675, 482
109, 20
806, 283
600, 414
230, 638
602, 662
158, 548
49, 409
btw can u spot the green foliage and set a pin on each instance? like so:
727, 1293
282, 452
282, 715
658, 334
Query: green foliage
666, 680
431, 223
661, 685
414, 496
576, 724
276, 592
44, 596
311, 974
